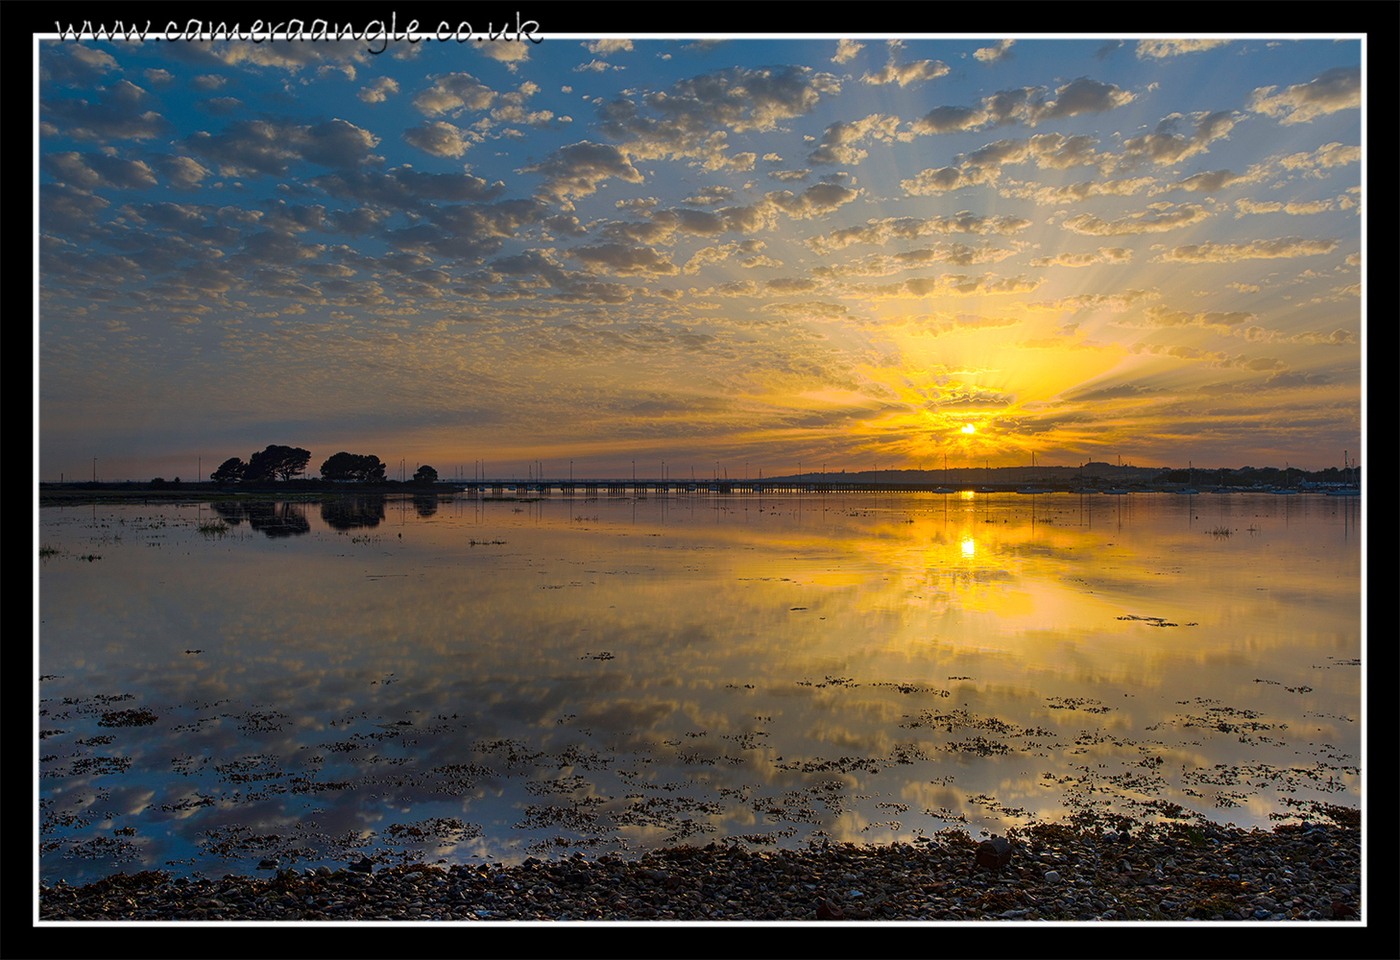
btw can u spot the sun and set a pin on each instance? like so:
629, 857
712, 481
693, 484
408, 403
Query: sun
968, 428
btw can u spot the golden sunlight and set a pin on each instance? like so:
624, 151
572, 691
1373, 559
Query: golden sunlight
968, 428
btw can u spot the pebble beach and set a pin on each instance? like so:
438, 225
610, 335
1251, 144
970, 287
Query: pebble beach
1051, 872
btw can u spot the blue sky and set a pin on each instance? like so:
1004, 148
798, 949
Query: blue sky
746, 252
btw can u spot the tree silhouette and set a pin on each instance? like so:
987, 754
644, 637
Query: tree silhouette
350, 466
276, 462
425, 475
230, 471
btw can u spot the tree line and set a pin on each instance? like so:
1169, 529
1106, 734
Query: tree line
278, 462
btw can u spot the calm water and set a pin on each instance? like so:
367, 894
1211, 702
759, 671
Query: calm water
456, 679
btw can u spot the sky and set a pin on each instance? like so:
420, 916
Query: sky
608, 255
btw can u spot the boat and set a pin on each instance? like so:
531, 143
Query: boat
1033, 488
1119, 490
1191, 482
1285, 489
945, 488
1353, 488
987, 487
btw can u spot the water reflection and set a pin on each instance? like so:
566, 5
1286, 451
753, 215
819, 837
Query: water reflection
272, 519
354, 512
504, 678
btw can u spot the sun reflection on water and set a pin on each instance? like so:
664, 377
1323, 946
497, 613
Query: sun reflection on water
741, 650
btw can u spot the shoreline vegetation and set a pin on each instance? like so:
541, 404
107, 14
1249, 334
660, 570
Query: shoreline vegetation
1087, 872
71, 494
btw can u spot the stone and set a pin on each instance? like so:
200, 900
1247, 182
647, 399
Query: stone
994, 853
935, 881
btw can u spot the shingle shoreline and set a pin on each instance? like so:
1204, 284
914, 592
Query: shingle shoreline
1301, 872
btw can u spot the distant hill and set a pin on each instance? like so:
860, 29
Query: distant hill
1102, 473
1126, 473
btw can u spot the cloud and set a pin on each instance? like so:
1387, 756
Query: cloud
453, 93
879, 265
74, 64
1315, 206
973, 400
845, 50
577, 169
603, 48
465, 232
754, 262
661, 225
1084, 189
439, 138
65, 209
267, 148
904, 74
1026, 105
810, 309
817, 200
1254, 250
122, 111
707, 255
373, 226
950, 119
1156, 219
511, 108
786, 286
1159, 316
1337, 89
277, 248
404, 188
837, 142
291, 57
91, 170
951, 284
220, 106
693, 118
1107, 50
738, 99
623, 260
180, 173
1164, 145
1208, 182
710, 195
1114, 302
1249, 206
912, 228
596, 66
1330, 155
983, 166
1246, 207
379, 91
1103, 255
1161, 49
994, 54
511, 54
